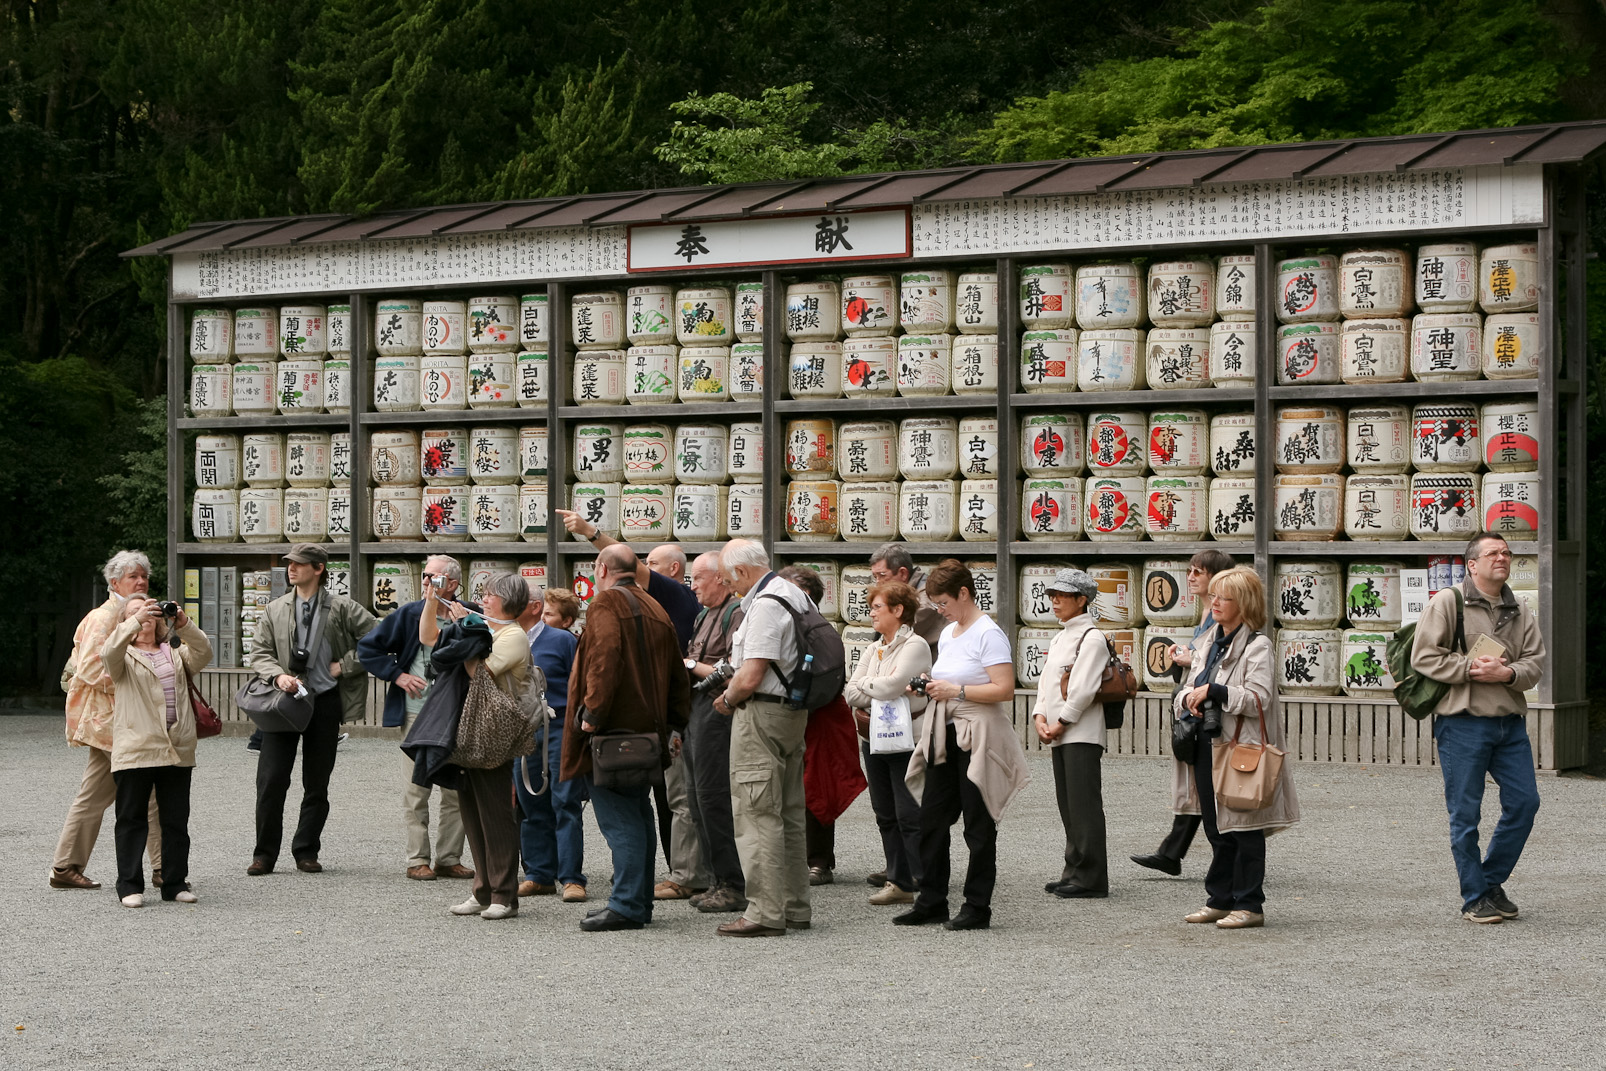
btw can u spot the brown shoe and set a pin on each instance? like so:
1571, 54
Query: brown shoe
574, 893
421, 872
309, 866
743, 928
259, 867
721, 899
454, 870
669, 890
156, 879
71, 878
535, 888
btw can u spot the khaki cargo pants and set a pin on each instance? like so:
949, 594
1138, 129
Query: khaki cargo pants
767, 808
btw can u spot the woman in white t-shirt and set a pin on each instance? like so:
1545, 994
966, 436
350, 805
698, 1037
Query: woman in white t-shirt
969, 762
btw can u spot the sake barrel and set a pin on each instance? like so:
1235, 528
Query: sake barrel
1178, 358
599, 455
1309, 661
1232, 353
868, 512
299, 387
1031, 652
1117, 442
598, 504
1051, 509
1113, 508
211, 390
985, 575
650, 315
976, 303
599, 377
1179, 442
1446, 437
1508, 278
815, 370
254, 388
1235, 287
393, 457
585, 584
749, 314
1446, 347
747, 371
978, 510
744, 518
1232, 508
978, 447
1232, 443
1176, 508
926, 301
1512, 346
810, 448
1119, 602
533, 453
339, 329
866, 450
1377, 507
811, 510
1182, 293
1309, 353
1374, 282
396, 383
747, 453
813, 312
534, 575
647, 512
1444, 505
399, 327
211, 336
1158, 664
700, 453
262, 515
1111, 359
1447, 277
1307, 289
1524, 572
491, 380
337, 508
256, 334
1308, 594
215, 515
443, 381
1048, 361
597, 320
1310, 439
853, 596
493, 452
444, 455
340, 457
869, 305
445, 512
1035, 607
649, 453
856, 640
1053, 444
481, 571
870, 367
395, 583
445, 328
534, 509
262, 459
306, 459
1379, 439
1307, 508
534, 318
1511, 435
217, 461
974, 365
1373, 351
928, 510
1109, 296
493, 324
1047, 297
923, 365
1511, 504
306, 514
1366, 673
703, 317
700, 512
1166, 598
830, 577
704, 374
1372, 594
531, 370
303, 331
337, 384
928, 448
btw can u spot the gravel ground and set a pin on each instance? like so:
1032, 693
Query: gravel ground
1364, 961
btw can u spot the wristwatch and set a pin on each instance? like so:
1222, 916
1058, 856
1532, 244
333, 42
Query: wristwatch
961, 693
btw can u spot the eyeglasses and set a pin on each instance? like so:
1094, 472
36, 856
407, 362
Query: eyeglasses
1496, 554
1194, 570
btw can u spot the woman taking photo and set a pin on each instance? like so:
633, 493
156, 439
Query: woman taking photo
968, 761
1230, 689
153, 742
1072, 725
884, 672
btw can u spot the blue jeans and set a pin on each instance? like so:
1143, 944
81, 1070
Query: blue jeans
551, 831
629, 823
1469, 748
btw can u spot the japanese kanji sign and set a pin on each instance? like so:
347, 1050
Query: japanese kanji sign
827, 237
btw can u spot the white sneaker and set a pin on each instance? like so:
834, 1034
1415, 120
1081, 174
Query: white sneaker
134, 899
186, 897
470, 906
340, 741
499, 911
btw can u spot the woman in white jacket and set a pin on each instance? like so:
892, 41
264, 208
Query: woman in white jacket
1072, 724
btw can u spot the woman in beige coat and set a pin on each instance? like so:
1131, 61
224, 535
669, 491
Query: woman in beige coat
153, 742
1231, 683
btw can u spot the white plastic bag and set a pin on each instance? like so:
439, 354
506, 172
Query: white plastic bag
891, 727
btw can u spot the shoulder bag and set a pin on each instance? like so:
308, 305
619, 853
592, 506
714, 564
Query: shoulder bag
495, 727
1246, 775
207, 723
272, 708
1117, 685
622, 759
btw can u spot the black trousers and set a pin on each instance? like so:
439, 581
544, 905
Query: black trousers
134, 787
819, 841
897, 816
707, 755
274, 766
1079, 788
949, 795
1180, 839
1237, 875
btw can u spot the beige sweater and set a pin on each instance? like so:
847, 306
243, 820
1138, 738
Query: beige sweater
885, 670
1085, 657
1507, 621
140, 734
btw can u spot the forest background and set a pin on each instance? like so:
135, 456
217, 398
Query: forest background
125, 120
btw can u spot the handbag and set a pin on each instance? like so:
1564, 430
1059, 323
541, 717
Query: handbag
891, 726
494, 727
1246, 775
1185, 738
272, 708
207, 723
1117, 685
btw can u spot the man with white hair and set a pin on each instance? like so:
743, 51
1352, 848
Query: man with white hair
89, 724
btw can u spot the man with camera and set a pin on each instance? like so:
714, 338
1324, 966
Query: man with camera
393, 653
306, 644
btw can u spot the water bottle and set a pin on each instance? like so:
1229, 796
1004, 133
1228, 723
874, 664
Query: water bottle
800, 683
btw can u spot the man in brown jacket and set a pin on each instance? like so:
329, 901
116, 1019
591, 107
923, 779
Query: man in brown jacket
628, 677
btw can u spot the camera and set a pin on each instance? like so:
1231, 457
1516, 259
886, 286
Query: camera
169, 609
917, 685
723, 671
437, 582
1209, 718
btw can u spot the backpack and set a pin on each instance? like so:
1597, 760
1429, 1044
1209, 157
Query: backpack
1418, 695
1117, 686
816, 637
